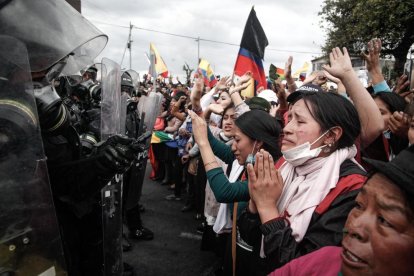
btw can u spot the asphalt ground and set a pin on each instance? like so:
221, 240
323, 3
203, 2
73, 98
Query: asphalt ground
175, 249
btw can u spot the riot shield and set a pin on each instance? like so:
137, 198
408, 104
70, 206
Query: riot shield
30, 242
52, 30
111, 194
149, 108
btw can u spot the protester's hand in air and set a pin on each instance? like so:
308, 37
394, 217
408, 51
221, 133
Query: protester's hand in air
373, 56
242, 84
340, 63
288, 68
198, 87
222, 84
216, 108
199, 129
265, 184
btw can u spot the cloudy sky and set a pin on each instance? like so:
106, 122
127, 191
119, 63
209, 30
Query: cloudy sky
292, 28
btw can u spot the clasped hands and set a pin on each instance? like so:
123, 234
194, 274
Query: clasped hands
265, 186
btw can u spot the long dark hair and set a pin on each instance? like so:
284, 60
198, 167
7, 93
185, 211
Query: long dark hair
260, 126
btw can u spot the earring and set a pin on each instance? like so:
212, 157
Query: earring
327, 149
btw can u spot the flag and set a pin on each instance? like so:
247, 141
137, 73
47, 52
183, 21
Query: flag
251, 53
161, 137
280, 73
159, 66
272, 72
303, 69
205, 69
302, 76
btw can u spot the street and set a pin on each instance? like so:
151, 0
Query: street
175, 249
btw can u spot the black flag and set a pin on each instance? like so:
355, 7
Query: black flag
254, 38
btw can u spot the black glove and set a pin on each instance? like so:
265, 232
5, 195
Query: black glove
116, 154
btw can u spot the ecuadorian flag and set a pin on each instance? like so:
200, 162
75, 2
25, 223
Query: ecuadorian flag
205, 69
251, 53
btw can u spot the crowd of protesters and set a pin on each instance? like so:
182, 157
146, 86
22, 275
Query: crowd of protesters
300, 179
280, 181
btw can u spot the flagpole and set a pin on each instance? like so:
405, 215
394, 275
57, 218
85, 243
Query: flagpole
129, 45
198, 51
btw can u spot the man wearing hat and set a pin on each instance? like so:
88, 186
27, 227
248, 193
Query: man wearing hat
379, 232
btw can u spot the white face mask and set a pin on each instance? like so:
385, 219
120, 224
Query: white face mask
251, 158
300, 154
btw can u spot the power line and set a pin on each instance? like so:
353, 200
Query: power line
199, 38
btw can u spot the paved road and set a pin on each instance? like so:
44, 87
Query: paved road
175, 249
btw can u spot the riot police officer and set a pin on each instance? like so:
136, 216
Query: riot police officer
75, 180
132, 181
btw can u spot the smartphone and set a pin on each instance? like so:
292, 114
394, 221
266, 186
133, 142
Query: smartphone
408, 71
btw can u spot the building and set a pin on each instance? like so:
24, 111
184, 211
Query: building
357, 63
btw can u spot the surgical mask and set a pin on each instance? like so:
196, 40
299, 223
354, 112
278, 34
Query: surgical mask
250, 158
299, 155
387, 134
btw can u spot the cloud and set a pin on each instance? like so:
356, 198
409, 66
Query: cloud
289, 26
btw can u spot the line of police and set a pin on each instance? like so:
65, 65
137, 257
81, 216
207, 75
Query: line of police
63, 152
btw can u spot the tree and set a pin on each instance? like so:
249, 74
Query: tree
352, 23
188, 72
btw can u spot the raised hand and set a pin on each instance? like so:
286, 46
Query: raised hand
373, 56
288, 68
340, 63
242, 84
222, 83
199, 129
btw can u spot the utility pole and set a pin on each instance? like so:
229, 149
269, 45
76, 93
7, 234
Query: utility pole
129, 44
198, 51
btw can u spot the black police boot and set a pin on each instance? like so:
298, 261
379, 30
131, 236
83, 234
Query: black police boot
141, 234
128, 270
126, 244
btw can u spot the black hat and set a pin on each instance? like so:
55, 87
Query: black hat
258, 103
400, 170
307, 88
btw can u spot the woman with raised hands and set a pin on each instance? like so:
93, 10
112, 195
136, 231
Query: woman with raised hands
303, 205
253, 130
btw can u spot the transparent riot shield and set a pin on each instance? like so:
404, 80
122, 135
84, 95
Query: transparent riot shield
52, 30
30, 242
149, 108
111, 194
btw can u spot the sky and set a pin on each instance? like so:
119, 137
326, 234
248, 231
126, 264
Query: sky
292, 28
